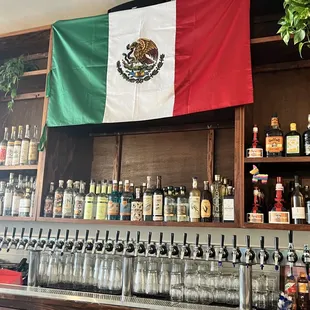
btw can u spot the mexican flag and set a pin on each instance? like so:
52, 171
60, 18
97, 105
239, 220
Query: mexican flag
171, 59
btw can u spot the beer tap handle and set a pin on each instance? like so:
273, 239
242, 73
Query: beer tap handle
47, 239
161, 235
97, 235
56, 241
172, 238
197, 240
130, 248
127, 237
209, 240
38, 241
29, 239
249, 254
106, 236
85, 241
5, 232
117, 236
12, 239
234, 241
64, 244
86, 235
262, 252
3, 240
138, 237
222, 241
77, 235
149, 240
21, 240
40, 234
67, 235
248, 241
277, 255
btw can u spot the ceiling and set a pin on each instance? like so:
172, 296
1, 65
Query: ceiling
20, 14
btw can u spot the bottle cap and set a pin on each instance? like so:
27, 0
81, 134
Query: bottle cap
293, 126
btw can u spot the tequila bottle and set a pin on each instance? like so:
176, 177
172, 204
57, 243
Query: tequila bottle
25, 204
17, 196
48, 202
8, 196
2, 191
182, 206
229, 205
33, 147
89, 201
10, 148
194, 202
148, 201
170, 210
58, 199
274, 139
137, 207
217, 199
25, 147
158, 201
298, 206
102, 202
17, 146
206, 203
3, 146
113, 203
293, 141
79, 202
67, 206
126, 200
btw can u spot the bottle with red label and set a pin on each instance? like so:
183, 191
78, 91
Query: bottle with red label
3, 146
274, 138
303, 292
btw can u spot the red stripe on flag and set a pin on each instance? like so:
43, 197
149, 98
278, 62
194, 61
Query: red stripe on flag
212, 60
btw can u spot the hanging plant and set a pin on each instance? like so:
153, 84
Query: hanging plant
295, 23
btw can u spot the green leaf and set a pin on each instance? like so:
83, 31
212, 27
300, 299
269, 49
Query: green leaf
300, 46
299, 36
286, 37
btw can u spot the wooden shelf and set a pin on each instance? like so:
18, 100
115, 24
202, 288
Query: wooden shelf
274, 160
126, 223
304, 227
35, 73
21, 167
266, 39
26, 96
16, 219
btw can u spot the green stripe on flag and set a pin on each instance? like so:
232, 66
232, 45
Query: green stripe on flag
79, 71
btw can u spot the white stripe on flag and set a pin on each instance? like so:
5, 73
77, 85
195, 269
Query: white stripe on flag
127, 101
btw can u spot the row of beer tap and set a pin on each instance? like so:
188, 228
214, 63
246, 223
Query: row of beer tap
161, 249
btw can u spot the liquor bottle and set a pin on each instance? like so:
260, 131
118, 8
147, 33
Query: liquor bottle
291, 290
58, 199
143, 188
17, 196
170, 206
148, 201
224, 187
229, 205
17, 146
79, 202
2, 191
76, 188
25, 203
217, 199
293, 141
137, 207
206, 203
113, 203
24, 152
274, 139
10, 148
126, 199
97, 192
33, 194
176, 191
102, 202
110, 185
182, 206
89, 201
120, 188
194, 202
306, 139
132, 189
158, 201
49, 202
307, 202
8, 196
67, 205
298, 206
33, 148
256, 150
3, 146
303, 292
165, 190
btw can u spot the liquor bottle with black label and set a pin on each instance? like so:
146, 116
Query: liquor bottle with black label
182, 206
148, 201
49, 201
33, 147
206, 204
3, 146
298, 206
126, 200
10, 148
58, 199
114, 202
25, 147
89, 201
158, 201
293, 141
274, 139
17, 146
194, 202
229, 205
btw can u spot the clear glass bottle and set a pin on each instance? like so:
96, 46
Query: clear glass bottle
229, 206
307, 202
194, 202
143, 188
120, 188
132, 189
98, 191
126, 200
274, 138
293, 141
76, 188
23, 160
306, 139
3, 146
217, 199
2, 191
25, 204
137, 207
298, 205
17, 196
17, 146
79, 202
8, 196
58, 199
49, 202
206, 203
170, 209
89, 201
102, 202
67, 205
33, 194
182, 206
148, 201
113, 203
158, 201
33, 148
10, 148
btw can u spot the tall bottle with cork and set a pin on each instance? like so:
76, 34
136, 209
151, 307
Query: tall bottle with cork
17, 146
158, 201
206, 203
298, 205
148, 201
24, 152
10, 148
194, 202
3, 146
89, 201
33, 147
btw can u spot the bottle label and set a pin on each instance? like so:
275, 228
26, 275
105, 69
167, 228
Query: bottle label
9, 154
2, 154
255, 218
16, 153
24, 207
33, 151
58, 204
303, 288
279, 217
194, 207
67, 205
292, 145
24, 152
7, 204
298, 213
136, 211
113, 208
48, 207
169, 209
255, 153
205, 208
89, 207
274, 144
102, 206
182, 209
307, 149
147, 205
158, 205
15, 205
125, 207
290, 288
228, 209
78, 207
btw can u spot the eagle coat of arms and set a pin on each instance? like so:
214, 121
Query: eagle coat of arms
142, 61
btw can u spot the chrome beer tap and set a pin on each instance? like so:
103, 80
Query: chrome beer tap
306, 259
108, 244
151, 248
57, 243
12, 241
291, 254
48, 243
87, 244
223, 254
140, 247
249, 254
31, 242
67, 245
98, 246
263, 254
185, 250
119, 245
210, 253
39, 242
77, 244
236, 253
21, 241
198, 252
4, 239
129, 247
277, 255
162, 247
173, 249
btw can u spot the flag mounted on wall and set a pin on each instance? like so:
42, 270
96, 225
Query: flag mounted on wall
170, 59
